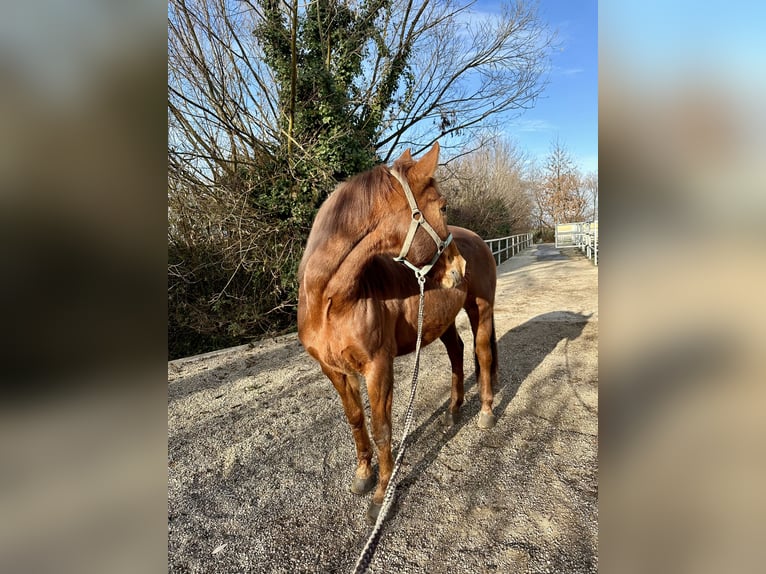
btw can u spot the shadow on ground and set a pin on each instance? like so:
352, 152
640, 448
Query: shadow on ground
515, 367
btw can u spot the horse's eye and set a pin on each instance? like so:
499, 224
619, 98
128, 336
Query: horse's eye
444, 209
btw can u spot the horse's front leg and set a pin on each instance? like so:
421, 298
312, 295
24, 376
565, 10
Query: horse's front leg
348, 390
380, 379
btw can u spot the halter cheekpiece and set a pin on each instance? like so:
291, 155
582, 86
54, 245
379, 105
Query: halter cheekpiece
418, 220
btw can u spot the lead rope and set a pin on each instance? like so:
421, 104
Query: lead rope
372, 542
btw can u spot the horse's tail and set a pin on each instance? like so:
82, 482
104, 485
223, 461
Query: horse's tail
493, 346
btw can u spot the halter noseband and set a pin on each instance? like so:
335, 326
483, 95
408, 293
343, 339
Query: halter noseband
418, 220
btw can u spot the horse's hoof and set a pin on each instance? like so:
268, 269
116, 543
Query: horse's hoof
451, 419
486, 420
362, 486
372, 513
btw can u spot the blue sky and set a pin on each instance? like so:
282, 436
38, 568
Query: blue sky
659, 39
568, 108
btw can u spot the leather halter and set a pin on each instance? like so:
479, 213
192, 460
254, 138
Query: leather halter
418, 220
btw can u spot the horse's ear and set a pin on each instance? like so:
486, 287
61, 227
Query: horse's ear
426, 165
406, 156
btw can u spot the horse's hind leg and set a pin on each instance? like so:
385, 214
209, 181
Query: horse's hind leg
482, 320
454, 344
348, 389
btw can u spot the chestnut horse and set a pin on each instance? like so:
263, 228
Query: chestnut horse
358, 300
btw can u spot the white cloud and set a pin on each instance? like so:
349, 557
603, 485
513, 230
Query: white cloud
533, 126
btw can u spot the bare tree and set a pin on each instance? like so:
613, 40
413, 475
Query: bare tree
488, 190
590, 184
432, 70
559, 193
465, 69
222, 106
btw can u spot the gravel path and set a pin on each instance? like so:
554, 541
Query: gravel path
260, 455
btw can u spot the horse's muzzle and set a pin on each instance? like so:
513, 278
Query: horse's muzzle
455, 271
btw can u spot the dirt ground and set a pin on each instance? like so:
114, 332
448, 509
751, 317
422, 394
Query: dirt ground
260, 456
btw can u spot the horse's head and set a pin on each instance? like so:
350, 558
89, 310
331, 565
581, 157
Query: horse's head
421, 216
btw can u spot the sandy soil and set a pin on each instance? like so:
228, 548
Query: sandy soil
260, 456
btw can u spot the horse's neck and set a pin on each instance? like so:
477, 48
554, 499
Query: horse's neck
337, 271
347, 279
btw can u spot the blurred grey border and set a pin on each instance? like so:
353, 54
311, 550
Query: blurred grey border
682, 141
83, 418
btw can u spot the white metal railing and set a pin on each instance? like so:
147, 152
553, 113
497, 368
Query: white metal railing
583, 235
589, 244
504, 248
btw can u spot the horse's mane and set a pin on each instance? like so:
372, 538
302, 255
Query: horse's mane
344, 219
